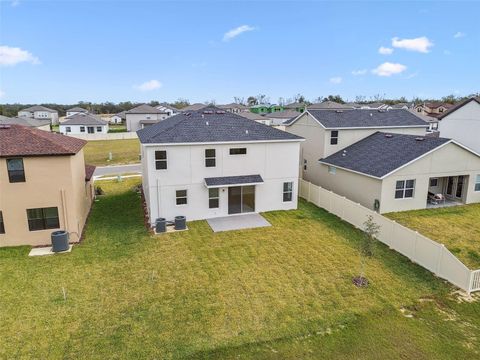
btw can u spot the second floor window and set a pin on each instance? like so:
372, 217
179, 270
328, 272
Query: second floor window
238, 151
334, 137
161, 160
2, 225
16, 172
210, 160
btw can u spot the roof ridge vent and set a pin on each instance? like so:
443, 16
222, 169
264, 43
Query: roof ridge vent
419, 138
339, 111
206, 123
246, 131
388, 136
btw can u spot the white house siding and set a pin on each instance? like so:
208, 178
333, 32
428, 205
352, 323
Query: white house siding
46, 115
76, 129
450, 160
317, 142
275, 162
463, 125
133, 120
25, 114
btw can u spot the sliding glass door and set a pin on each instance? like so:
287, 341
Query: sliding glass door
241, 199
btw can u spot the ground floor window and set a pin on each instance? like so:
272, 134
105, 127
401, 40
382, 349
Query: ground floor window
181, 197
287, 191
68, 129
43, 218
99, 129
82, 128
404, 189
332, 170
2, 225
213, 198
477, 183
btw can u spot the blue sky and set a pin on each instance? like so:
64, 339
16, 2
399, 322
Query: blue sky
67, 51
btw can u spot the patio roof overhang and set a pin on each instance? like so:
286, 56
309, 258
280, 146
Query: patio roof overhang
241, 180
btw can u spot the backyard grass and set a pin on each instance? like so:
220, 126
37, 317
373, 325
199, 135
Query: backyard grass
457, 227
123, 152
280, 292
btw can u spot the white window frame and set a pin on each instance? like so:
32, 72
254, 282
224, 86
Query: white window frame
178, 197
477, 183
214, 158
404, 189
287, 191
161, 160
214, 197
334, 138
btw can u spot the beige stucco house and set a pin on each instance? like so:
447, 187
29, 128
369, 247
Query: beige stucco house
44, 186
142, 116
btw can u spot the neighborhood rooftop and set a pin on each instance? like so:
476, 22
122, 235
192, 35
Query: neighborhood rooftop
38, 108
210, 124
361, 118
144, 109
382, 153
17, 140
78, 109
25, 121
83, 119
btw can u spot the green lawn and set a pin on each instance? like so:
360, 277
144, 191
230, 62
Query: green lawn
457, 227
117, 128
283, 292
123, 152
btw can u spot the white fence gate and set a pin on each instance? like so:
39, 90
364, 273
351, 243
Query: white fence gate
430, 254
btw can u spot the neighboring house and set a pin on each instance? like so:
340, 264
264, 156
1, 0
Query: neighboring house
279, 117
24, 121
296, 106
462, 123
115, 119
256, 117
234, 108
390, 172
44, 186
167, 109
40, 113
142, 116
328, 105
275, 108
260, 108
434, 109
329, 131
193, 107
81, 123
405, 106
375, 106
431, 121
76, 110
212, 163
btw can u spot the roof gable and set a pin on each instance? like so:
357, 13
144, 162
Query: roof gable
458, 106
83, 119
144, 109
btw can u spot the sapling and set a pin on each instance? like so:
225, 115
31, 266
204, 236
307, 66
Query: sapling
367, 247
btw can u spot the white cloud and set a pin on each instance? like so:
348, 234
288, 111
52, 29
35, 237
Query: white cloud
10, 56
389, 69
149, 85
385, 50
359, 72
459, 34
229, 35
336, 80
420, 44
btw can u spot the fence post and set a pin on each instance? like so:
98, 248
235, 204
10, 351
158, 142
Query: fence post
439, 261
415, 247
470, 279
309, 187
394, 223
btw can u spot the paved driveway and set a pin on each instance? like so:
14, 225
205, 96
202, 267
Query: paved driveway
238, 222
117, 169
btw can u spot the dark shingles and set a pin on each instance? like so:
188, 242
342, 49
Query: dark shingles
381, 153
359, 118
210, 125
144, 109
24, 121
233, 180
83, 119
39, 108
17, 140
89, 170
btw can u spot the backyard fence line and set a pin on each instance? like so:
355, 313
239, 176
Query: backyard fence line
423, 251
108, 136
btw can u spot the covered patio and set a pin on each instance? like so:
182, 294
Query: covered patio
447, 191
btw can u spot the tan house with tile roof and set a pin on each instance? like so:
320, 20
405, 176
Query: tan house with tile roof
44, 186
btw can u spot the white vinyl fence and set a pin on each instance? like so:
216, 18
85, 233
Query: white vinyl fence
430, 254
109, 136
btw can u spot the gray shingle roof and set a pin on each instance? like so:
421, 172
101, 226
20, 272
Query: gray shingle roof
77, 109
361, 118
31, 122
285, 114
193, 107
83, 119
252, 116
328, 105
144, 109
233, 180
39, 108
381, 153
210, 125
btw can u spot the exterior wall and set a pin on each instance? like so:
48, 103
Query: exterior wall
44, 128
70, 113
358, 188
43, 115
75, 129
133, 120
463, 125
450, 160
25, 114
275, 162
115, 119
317, 142
68, 192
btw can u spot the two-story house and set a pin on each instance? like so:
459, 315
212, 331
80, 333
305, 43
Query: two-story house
432, 109
168, 109
76, 110
212, 163
234, 108
40, 113
142, 116
44, 186
383, 160
462, 123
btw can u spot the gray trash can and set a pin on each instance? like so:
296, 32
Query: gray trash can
180, 223
60, 241
160, 225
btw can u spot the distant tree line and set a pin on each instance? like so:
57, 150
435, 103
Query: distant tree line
114, 108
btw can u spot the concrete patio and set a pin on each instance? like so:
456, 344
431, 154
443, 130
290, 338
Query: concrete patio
238, 222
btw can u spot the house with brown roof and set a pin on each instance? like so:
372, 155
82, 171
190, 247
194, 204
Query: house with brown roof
433, 109
44, 186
